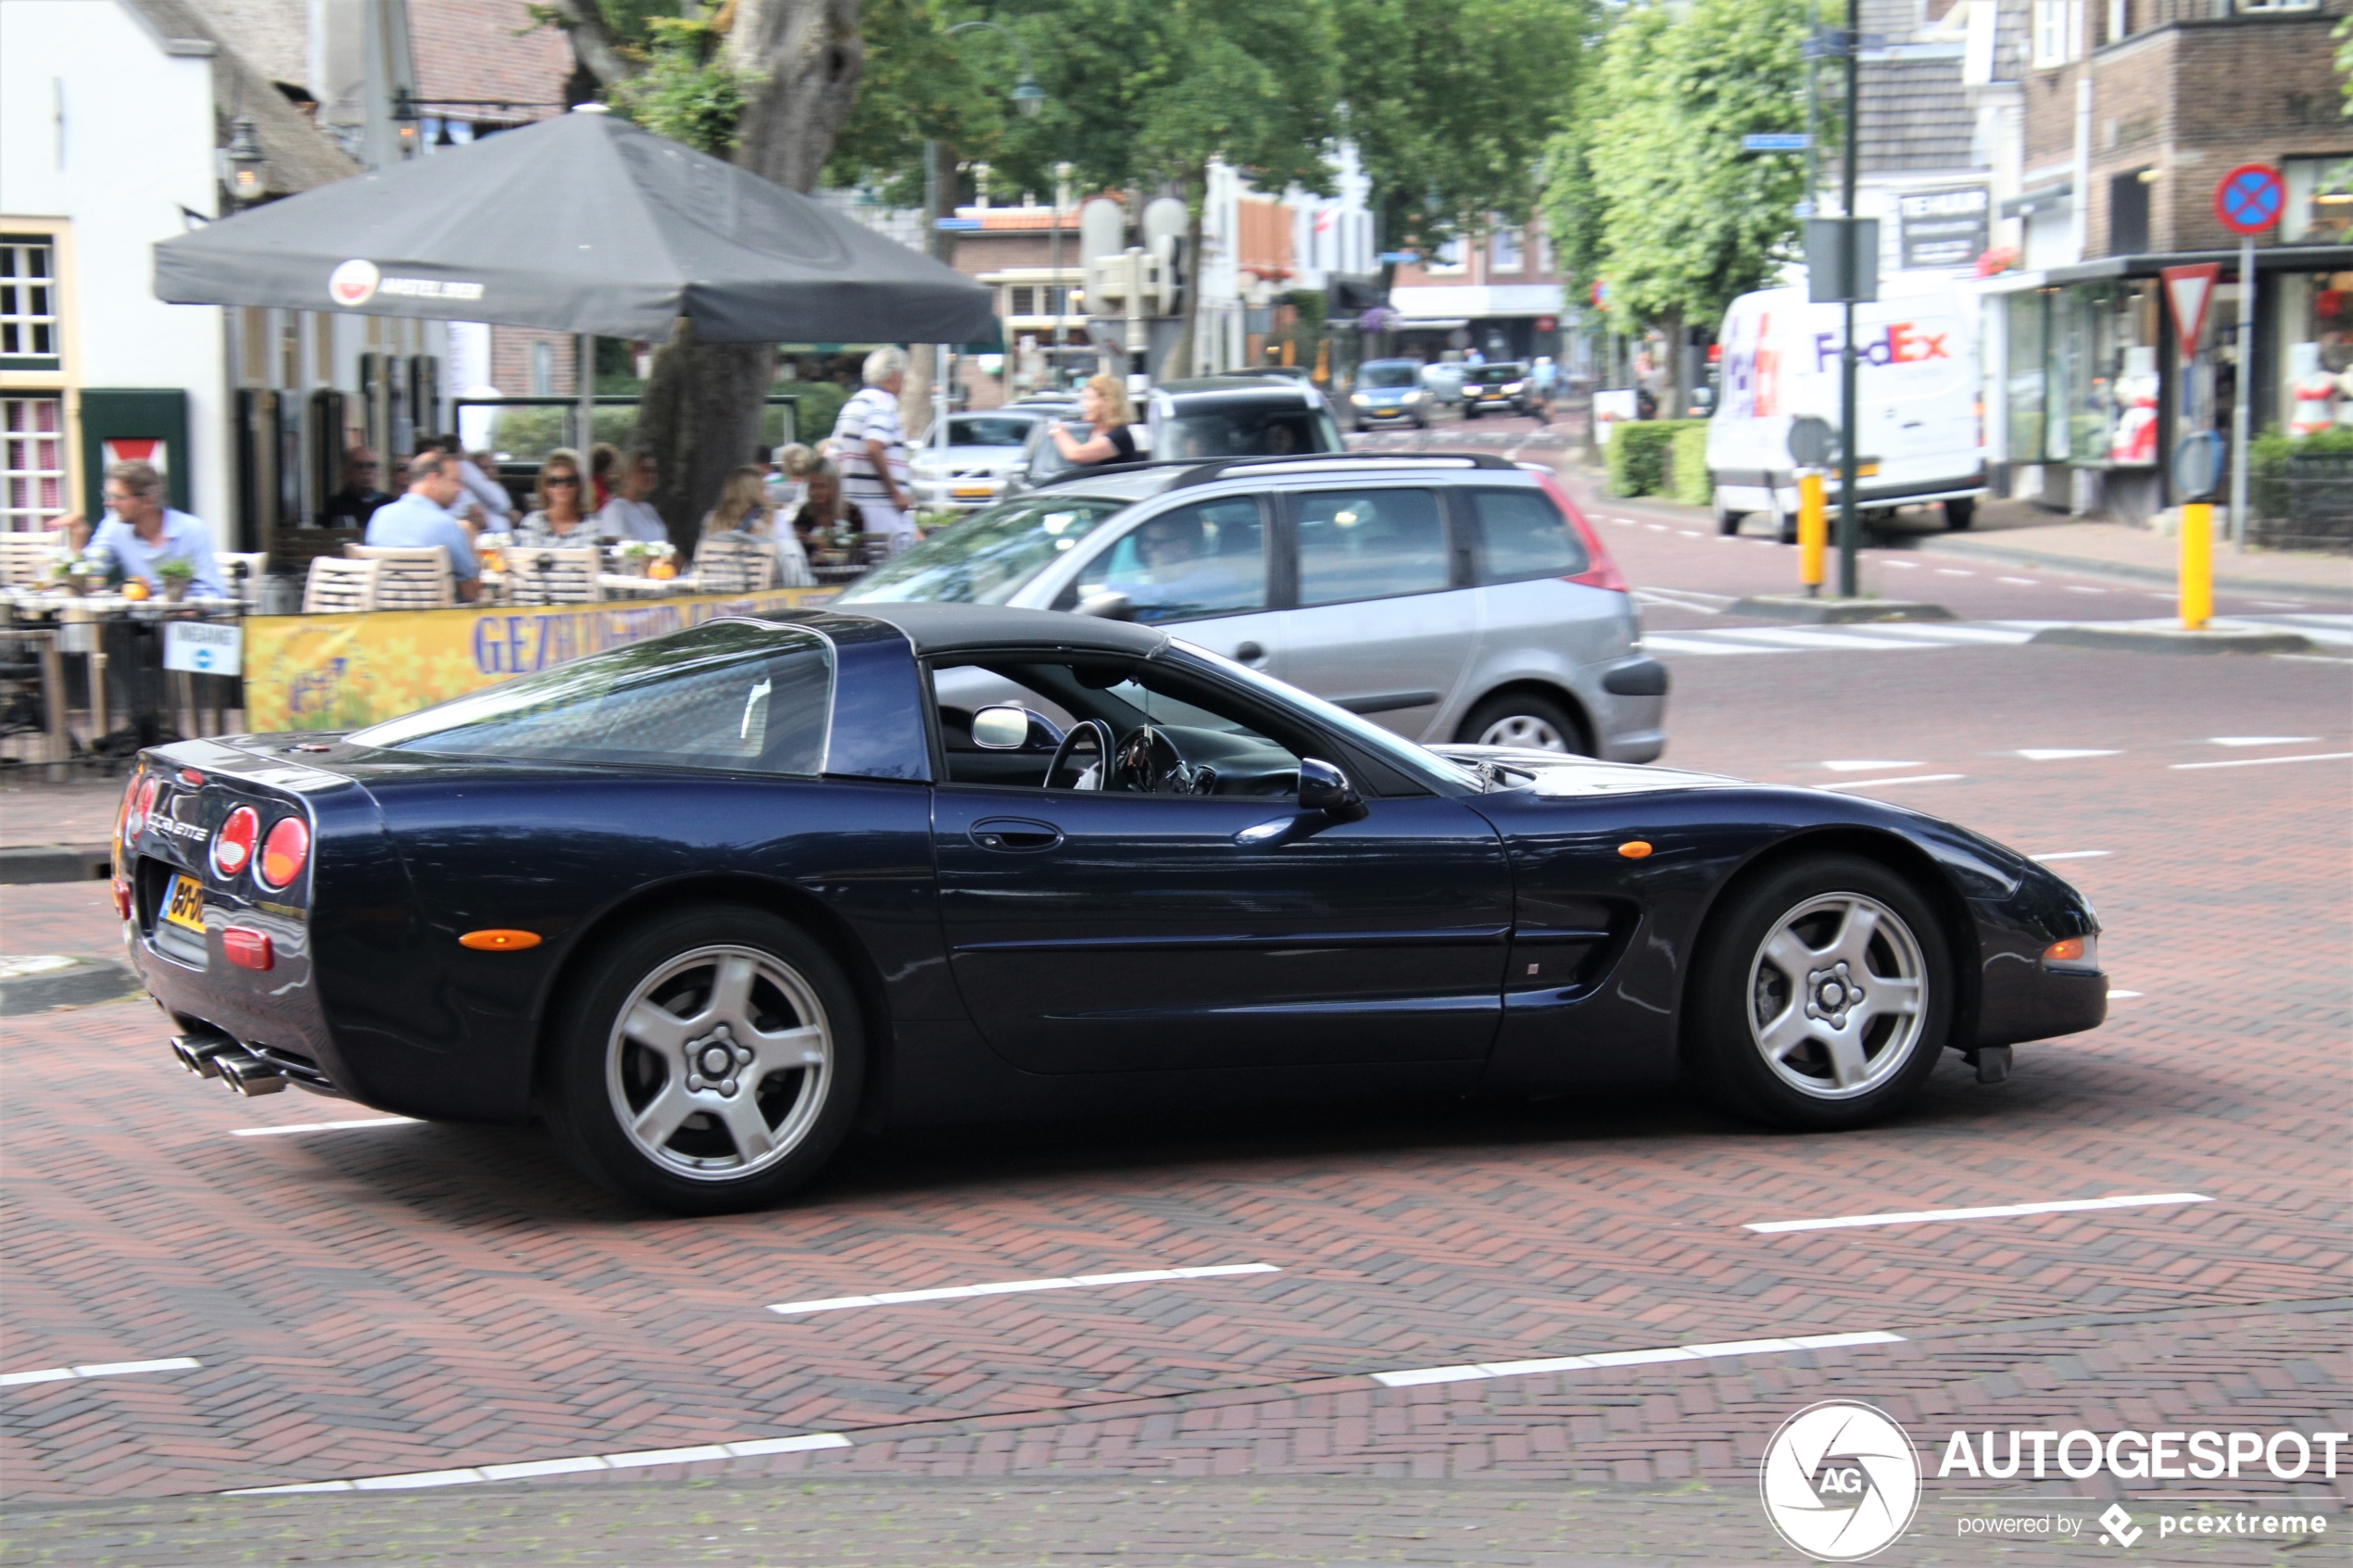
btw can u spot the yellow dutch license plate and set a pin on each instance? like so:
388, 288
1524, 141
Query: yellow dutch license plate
1866, 471
184, 905
975, 492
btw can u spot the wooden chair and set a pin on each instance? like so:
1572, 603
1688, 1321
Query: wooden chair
410, 579
25, 558
339, 585
554, 576
734, 563
241, 571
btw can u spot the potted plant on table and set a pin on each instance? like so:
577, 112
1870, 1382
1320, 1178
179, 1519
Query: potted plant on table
177, 577
632, 555
79, 577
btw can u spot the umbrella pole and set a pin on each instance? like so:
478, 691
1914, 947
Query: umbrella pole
585, 357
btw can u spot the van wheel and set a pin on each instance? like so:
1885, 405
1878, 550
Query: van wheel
1727, 522
1960, 512
1784, 524
1524, 718
711, 1063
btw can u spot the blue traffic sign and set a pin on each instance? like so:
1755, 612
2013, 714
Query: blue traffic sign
1775, 142
2250, 199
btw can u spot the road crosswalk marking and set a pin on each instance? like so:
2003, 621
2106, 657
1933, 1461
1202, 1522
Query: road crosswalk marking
2334, 633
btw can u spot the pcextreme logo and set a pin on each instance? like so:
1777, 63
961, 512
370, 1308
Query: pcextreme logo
1840, 1481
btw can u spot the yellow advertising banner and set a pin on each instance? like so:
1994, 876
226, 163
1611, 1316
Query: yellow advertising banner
340, 672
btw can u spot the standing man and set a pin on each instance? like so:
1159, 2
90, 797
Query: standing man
422, 518
144, 533
872, 450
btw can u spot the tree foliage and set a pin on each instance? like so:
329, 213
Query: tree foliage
1648, 187
687, 90
1451, 102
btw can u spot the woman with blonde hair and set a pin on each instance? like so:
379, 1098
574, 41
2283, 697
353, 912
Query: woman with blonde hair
743, 510
1102, 403
559, 512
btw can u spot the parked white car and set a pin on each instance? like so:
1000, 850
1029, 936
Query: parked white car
1921, 438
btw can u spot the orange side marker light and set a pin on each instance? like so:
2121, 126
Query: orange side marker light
1636, 850
2061, 952
499, 941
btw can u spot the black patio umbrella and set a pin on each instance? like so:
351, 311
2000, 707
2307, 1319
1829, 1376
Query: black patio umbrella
582, 223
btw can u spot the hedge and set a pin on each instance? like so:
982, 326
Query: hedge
1660, 457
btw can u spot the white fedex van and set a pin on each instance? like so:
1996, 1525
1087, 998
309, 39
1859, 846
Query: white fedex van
1916, 401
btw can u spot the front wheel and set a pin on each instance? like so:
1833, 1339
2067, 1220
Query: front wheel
1822, 995
711, 1063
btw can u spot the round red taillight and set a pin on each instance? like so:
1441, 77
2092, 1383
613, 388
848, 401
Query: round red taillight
284, 852
138, 806
233, 846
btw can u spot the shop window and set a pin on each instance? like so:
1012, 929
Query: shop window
33, 463
2320, 200
2128, 214
2026, 388
1447, 261
2312, 354
29, 337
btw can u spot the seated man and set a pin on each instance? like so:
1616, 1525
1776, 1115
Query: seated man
144, 533
422, 518
1171, 572
352, 506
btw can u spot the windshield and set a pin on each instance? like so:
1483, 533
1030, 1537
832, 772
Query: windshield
986, 559
986, 430
729, 695
1387, 373
1236, 428
1426, 766
1495, 375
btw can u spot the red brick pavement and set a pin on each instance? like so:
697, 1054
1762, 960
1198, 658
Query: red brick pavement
414, 1298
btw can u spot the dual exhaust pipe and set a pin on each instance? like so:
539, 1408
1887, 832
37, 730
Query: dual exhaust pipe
218, 1056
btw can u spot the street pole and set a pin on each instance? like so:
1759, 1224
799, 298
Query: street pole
1057, 292
1813, 170
2241, 405
1850, 516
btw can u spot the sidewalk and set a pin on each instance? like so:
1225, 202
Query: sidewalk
2024, 534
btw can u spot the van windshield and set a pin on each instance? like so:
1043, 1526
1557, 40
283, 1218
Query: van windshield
1387, 373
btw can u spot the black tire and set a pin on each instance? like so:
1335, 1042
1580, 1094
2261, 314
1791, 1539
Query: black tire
790, 982
1734, 980
1784, 524
1471, 412
1959, 513
1727, 523
1531, 713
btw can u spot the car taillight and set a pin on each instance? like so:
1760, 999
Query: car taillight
284, 852
233, 846
247, 950
136, 806
1600, 571
121, 898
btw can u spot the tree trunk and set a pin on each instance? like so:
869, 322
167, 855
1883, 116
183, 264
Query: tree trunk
1182, 357
1671, 390
701, 407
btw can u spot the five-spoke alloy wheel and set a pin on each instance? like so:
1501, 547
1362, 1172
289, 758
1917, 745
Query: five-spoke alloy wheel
1823, 994
712, 1065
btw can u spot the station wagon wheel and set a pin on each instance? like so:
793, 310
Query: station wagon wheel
713, 1063
1524, 718
1822, 995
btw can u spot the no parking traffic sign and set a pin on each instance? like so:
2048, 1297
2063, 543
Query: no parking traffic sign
2250, 199
203, 647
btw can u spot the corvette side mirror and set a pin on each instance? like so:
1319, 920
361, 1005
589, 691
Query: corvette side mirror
1323, 787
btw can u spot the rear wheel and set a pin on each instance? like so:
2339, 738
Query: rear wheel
1784, 522
1727, 520
712, 1061
1524, 718
1960, 512
1823, 996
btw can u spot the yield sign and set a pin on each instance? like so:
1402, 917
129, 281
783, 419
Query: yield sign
2190, 290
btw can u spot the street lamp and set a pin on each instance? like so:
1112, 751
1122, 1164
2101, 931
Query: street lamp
1028, 98
244, 161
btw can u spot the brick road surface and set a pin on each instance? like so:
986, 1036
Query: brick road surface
416, 1298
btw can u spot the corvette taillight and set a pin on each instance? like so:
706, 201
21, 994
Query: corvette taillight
233, 846
284, 852
136, 804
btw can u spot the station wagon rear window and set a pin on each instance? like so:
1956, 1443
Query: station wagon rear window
729, 696
1523, 535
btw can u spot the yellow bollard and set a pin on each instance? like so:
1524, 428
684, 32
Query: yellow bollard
1813, 530
2198, 565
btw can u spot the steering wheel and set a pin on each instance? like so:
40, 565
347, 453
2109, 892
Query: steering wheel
1149, 763
1105, 746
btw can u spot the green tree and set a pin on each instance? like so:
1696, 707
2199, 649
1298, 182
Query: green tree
1451, 104
1649, 188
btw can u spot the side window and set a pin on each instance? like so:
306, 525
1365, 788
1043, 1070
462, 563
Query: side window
1187, 564
1522, 535
1369, 545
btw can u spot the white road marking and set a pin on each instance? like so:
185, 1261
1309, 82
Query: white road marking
1419, 1375
1017, 1286
1998, 1211
1901, 565
1689, 532
2279, 604
2019, 582
2073, 855
322, 1126
1656, 527
97, 1369
2264, 761
1858, 765
2123, 995
746, 1449
2063, 754
2264, 740
1871, 636
1953, 571
1915, 778
2079, 588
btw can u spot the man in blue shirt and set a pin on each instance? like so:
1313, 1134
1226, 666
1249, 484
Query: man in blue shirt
423, 518
144, 533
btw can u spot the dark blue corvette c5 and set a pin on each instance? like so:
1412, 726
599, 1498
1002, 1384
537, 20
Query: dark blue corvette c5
711, 901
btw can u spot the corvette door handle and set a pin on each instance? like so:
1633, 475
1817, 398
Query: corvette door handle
1249, 653
1015, 835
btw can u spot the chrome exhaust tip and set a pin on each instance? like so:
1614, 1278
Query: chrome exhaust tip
200, 1054
249, 1075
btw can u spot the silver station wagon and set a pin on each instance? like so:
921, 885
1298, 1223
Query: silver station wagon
1450, 598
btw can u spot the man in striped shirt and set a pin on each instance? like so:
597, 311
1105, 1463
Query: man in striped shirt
872, 450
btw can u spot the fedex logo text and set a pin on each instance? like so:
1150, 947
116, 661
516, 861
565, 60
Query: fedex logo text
1902, 343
